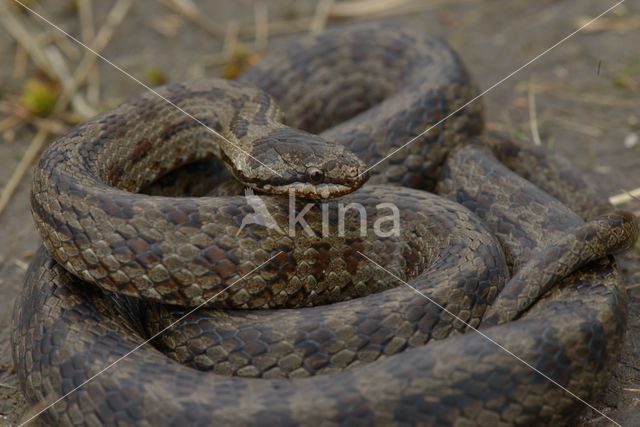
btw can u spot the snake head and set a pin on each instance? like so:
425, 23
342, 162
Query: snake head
289, 159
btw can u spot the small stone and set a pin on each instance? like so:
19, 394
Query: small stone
631, 140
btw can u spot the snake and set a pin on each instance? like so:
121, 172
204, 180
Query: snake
155, 301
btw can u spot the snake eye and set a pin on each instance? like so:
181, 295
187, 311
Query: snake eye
315, 175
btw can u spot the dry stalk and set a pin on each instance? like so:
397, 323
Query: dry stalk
191, 12
230, 39
533, 115
359, 8
588, 130
625, 197
34, 149
367, 9
102, 39
321, 16
13, 26
113, 19
261, 14
88, 33
20, 63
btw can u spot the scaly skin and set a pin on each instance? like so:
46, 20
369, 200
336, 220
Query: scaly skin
500, 239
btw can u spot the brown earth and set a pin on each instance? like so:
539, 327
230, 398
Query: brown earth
586, 93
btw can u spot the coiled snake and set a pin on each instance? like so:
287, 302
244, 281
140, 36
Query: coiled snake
338, 341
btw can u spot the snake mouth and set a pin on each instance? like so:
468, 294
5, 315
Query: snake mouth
306, 190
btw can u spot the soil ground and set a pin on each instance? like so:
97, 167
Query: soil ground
586, 94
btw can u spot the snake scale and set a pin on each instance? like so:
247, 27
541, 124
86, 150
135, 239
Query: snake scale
319, 334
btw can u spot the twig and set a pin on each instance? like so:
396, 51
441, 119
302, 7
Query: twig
217, 59
58, 64
167, 25
9, 122
280, 27
625, 197
230, 39
303, 24
34, 149
20, 63
19, 114
56, 37
533, 115
261, 14
87, 30
13, 26
228, 46
111, 22
115, 16
21, 264
52, 126
383, 8
321, 15
580, 127
191, 12
351, 9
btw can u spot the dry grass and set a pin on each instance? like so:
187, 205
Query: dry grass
71, 83
53, 56
533, 115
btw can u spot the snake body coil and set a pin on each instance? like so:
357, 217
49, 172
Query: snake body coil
499, 252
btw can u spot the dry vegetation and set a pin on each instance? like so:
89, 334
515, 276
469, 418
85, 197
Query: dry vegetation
62, 87
61, 82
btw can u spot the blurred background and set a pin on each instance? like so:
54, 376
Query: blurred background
581, 99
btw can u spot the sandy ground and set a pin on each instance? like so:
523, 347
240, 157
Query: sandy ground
586, 94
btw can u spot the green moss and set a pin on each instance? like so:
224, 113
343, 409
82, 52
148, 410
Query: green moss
629, 78
39, 97
155, 76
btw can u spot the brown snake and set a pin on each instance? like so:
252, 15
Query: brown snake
504, 251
